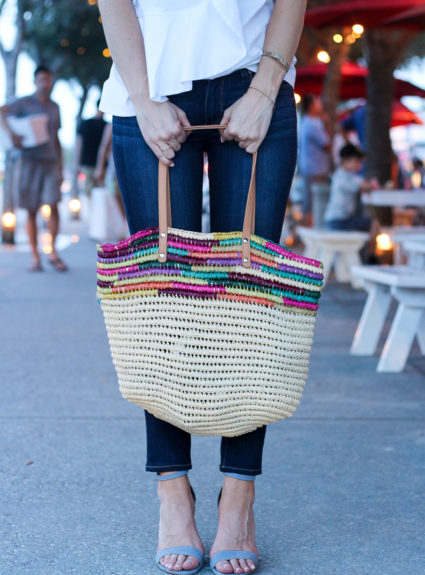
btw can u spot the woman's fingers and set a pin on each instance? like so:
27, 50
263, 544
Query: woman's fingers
163, 152
253, 147
162, 126
184, 121
225, 120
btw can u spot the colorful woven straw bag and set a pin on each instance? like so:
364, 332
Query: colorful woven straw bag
210, 332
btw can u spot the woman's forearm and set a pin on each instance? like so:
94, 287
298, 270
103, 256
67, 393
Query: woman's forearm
125, 42
283, 36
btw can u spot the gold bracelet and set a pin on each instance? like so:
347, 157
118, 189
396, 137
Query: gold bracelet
264, 94
278, 58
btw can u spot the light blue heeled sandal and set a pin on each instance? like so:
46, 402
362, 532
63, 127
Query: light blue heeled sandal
226, 555
182, 550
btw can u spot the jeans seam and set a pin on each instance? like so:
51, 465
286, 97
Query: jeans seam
206, 103
223, 461
222, 98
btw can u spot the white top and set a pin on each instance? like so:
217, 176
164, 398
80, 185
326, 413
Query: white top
187, 40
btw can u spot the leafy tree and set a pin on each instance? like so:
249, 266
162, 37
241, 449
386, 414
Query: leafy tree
10, 56
68, 37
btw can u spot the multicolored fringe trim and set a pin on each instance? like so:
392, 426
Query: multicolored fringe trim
208, 266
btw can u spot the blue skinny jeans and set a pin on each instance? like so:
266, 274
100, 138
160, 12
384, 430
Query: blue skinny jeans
168, 448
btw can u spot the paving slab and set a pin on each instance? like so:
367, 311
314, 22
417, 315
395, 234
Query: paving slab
342, 490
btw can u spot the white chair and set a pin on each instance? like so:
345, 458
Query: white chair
335, 249
407, 286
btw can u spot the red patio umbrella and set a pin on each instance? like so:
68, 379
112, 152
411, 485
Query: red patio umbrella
366, 12
353, 82
413, 18
401, 116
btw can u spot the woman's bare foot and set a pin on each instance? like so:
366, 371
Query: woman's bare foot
236, 525
177, 523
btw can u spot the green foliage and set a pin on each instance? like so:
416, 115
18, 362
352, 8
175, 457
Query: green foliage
67, 36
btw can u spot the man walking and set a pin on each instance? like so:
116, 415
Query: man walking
39, 167
314, 153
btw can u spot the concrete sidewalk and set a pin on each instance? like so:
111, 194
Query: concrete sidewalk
344, 480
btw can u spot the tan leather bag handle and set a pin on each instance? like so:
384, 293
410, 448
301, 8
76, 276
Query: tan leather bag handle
164, 206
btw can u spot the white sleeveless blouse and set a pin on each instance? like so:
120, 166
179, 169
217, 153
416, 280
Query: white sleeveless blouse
187, 40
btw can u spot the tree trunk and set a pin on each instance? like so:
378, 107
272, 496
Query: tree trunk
332, 85
10, 59
382, 61
83, 100
382, 54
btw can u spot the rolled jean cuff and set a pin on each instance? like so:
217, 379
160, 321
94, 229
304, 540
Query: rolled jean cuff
250, 472
163, 468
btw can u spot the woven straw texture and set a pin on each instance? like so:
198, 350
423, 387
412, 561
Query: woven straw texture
201, 341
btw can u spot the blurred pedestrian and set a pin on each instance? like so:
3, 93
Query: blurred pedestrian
179, 64
344, 210
105, 173
39, 167
89, 137
355, 123
315, 150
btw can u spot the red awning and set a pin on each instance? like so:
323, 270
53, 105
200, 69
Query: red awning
413, 18
369, 13
353, 82
401, 115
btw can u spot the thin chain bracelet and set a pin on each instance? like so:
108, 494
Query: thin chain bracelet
264, 94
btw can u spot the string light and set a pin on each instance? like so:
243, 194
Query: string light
358, 29
297, 98
323, 56
338, 38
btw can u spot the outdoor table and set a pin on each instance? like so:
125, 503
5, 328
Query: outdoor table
395, 198
400, 235
415, 249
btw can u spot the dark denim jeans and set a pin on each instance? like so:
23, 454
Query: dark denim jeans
168, 448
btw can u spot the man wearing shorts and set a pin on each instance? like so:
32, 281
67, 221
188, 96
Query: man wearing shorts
39, 168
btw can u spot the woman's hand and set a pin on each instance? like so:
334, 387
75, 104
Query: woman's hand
248, 120
162, 128
99, 176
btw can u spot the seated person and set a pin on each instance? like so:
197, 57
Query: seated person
343, 211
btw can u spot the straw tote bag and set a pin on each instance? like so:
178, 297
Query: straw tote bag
209, 331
